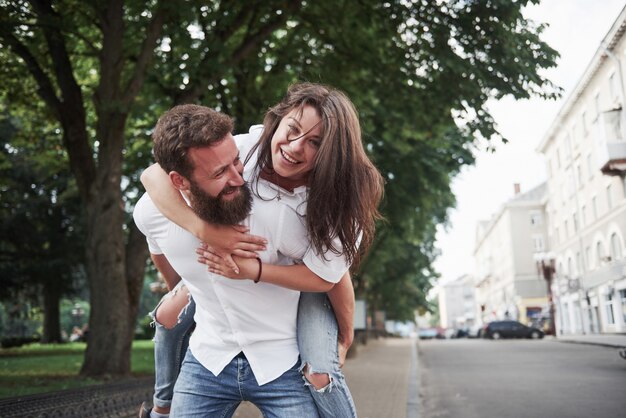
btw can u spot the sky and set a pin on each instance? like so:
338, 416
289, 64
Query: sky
576, 28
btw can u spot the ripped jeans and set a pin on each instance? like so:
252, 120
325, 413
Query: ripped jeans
170, 346
317, 342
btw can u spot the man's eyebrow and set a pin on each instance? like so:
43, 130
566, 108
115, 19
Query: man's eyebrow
222, 167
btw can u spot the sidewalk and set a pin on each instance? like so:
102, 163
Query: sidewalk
381, 378
605, 340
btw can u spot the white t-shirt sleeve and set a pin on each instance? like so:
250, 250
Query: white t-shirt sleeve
144, 214
329, 266
246, 141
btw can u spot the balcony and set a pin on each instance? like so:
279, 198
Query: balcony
613, 271
610, 143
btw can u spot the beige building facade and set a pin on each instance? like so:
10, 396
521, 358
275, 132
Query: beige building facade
508, 284
585, 151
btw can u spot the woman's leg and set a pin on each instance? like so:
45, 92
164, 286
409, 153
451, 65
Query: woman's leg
317, 341
173, 319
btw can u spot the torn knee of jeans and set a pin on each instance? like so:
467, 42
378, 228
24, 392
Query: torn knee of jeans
321, 381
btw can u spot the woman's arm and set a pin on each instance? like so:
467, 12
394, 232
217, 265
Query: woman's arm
295, 277
225, 240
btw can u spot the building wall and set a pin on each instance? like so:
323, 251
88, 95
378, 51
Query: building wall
508, 284
586, 209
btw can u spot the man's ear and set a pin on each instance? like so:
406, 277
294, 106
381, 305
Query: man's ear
179, 181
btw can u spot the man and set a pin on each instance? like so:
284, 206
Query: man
244, 345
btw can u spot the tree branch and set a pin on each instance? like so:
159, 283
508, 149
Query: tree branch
46, 89
153, 32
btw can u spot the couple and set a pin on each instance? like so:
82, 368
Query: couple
312, 194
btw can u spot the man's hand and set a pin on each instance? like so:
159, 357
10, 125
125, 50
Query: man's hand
247, 268
227, 241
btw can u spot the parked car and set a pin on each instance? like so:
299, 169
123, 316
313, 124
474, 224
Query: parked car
510, 329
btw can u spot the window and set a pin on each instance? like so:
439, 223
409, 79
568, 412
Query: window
599, 253
609, 198
622, 297
579, 175
557, 233
583, 120
616, 247
536, 218
610, 318
588, 256
538, 243
570, 267
575, 221
579, 263
594, 205
566, 229
589, 166
558, 158
613, 86
596, 102
583, 211
568, 148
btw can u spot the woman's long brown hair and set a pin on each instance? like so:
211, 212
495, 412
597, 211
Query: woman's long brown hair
345, 187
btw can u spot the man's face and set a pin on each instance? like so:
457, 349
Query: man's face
217, 190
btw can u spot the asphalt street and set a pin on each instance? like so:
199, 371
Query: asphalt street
520, 378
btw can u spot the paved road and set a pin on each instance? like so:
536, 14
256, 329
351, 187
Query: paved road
520, 378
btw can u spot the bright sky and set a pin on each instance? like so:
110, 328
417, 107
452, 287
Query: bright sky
576, 28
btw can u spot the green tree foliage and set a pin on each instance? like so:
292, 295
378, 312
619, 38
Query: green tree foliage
41, 255
419, 73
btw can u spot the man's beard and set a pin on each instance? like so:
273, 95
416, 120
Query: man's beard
216, 210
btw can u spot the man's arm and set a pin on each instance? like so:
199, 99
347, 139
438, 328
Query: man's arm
225, 239
341, 297
167, 271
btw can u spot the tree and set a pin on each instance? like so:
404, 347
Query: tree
420, 74
42, 235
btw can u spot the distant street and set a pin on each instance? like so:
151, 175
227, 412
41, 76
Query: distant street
520, 378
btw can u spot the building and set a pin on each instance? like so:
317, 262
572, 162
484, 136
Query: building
457, 303
508, 283
585, 151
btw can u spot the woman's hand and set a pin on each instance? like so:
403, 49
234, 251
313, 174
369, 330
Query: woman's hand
247, 268
227, 241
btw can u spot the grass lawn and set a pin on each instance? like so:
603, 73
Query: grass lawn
37, 368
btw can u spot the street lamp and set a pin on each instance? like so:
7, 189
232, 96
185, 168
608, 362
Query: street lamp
545, 265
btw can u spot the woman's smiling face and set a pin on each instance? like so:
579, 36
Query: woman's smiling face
296, 142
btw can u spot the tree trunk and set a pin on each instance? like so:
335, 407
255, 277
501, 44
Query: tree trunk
108, 345
51, 313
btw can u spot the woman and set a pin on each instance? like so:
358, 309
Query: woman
309, 153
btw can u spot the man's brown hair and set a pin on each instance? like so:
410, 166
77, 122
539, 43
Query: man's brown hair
182, 128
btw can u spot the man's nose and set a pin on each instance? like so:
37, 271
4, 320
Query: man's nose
236, 178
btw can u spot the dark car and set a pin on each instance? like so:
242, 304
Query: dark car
510, 329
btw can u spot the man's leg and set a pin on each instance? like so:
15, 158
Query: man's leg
285, 397
317, 342
173, 318
198, 393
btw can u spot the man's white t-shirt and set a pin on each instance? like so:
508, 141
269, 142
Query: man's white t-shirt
240, 315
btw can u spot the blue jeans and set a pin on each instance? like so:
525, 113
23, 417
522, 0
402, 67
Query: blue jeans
317, 342
199, 393
170, 346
